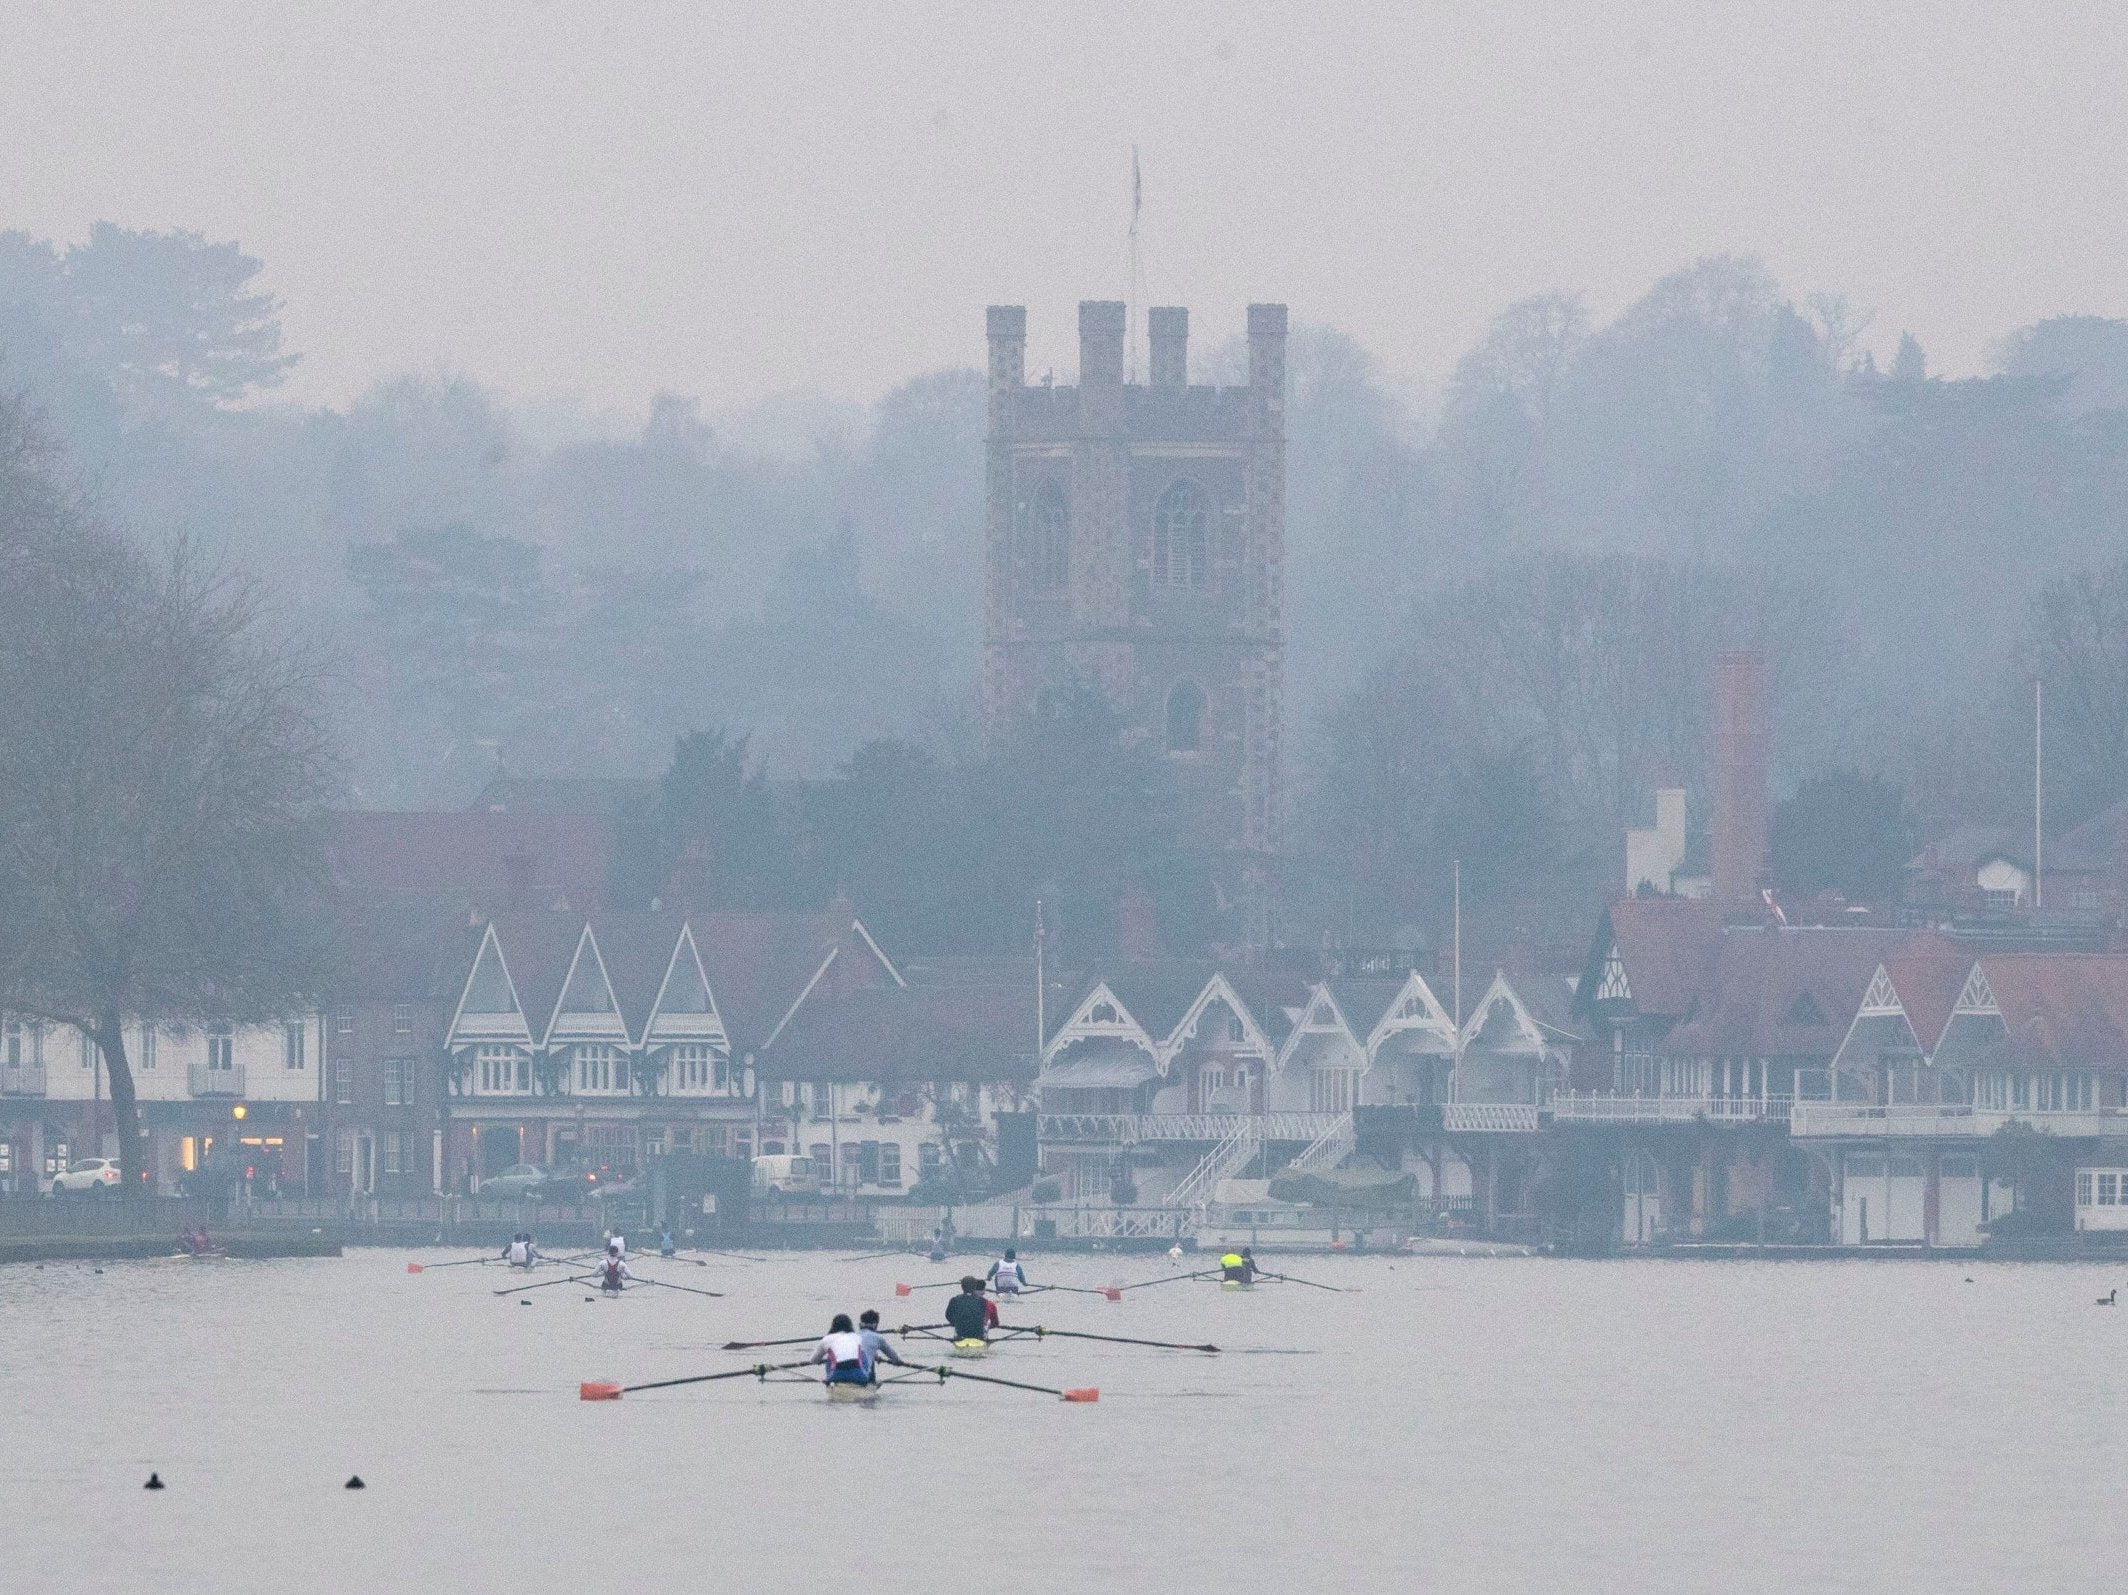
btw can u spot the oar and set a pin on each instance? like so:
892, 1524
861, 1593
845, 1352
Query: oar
807, 1340
1342, 1290
463, 1262
1112, 1292
711, 1251
1202, 1273
589, 1391
666, 1284
936, 1284
545, 1284
945, 1373
1041, 1333
873, 1257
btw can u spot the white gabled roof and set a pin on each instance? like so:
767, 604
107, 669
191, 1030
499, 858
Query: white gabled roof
1216, 989
1321, 1017
586, 1007
685, 1009
488, 1007
1102, 1016
1416, 1011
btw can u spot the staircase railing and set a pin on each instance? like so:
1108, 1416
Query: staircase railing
1195, 1188
1327, 1150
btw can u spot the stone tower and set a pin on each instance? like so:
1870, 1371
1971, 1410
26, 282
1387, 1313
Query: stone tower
1135, 543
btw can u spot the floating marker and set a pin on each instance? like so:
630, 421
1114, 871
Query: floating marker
354, 1482
590, 1391
155, 1482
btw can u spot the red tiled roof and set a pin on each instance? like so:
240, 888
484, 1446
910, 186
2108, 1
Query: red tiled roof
961, 1031
2066, 1010
1668, 945
1752, 1004
1927, 974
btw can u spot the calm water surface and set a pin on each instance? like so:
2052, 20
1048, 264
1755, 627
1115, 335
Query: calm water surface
1456, 1425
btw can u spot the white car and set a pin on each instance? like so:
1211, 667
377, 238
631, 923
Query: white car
90, 1174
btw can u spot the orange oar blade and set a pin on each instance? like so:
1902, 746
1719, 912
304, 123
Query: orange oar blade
589, 1391
1112, 1292
902, 1290
1087, 1394
413, 1268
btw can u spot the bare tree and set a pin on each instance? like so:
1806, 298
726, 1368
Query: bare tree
160, 797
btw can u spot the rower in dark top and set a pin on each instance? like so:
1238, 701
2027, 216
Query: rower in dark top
1239, 1267
969, 1312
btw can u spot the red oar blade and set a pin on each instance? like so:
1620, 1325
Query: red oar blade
590, 1391
1088, 1393
904, 1290
413, 1268
1112, 1292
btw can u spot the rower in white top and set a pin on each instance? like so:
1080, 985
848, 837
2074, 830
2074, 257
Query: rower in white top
1007, 1277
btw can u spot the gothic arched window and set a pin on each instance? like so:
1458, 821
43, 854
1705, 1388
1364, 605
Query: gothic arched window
1185, 717
1049, 540
1182, 527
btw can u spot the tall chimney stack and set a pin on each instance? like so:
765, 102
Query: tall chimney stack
1739, 840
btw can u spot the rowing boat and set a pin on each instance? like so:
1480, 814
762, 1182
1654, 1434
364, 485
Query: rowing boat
971, 1348
860, 1394
1236, 1284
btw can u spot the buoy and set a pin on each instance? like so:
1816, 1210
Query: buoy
591, 1391
1089, 1393
354, 1482
413, 1268
155, 1482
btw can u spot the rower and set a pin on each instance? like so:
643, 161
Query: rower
665, 1245
518, 1254
875, 1344
615, 1246
1007, 1277
969, 1313
843, 1350
1239, 1267
613, 1273
938, 1243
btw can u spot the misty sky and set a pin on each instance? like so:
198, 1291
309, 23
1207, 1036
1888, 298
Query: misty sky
599, 202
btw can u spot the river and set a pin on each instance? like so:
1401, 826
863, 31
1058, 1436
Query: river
1454, 1425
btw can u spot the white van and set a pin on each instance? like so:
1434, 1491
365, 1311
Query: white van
783, 1171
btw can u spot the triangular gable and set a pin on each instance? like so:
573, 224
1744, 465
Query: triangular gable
1416, 1009
879, 953
1101, 1016
1882, 998
1217, 990
1322, 1017
685, 1009
1502, 1022
1877, 1024
586, 1006
1977, 997
488, 1008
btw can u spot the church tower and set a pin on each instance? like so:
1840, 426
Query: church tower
1135, 540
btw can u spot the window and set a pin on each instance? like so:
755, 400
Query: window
402, 1018
698, 1067
292, 1045
2063, 1093
147, 1046
503, 1070
889, 1163
1181, 536
344, 1021
343, 1080
344, 1151
221, 1048
88, 1050
601, 1068
1185, 718
394, 1152
398, 1082
1049, 540
929, 1156
1999, 897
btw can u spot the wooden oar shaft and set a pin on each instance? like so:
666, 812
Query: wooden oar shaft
462, 1262
1202, 1273
945, 1373
574, 1279
666, 1284
1290, 1280
1041, 1333
807, 1340
760, 1370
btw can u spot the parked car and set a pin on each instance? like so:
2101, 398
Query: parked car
95, 1174
518, 1180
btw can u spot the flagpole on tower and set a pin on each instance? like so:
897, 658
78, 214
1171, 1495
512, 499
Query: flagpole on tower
1135, 290
1041, 1015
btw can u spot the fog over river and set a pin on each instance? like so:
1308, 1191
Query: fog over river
1456, 1424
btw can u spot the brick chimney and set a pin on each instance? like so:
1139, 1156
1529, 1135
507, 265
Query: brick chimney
1739, 835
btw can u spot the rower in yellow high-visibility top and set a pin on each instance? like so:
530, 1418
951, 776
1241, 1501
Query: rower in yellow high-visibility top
1239, 1267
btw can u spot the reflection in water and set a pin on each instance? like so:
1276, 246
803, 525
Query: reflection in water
1502, 1425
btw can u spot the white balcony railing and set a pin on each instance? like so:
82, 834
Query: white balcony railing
1126, 1129
1597, 1107
1490, 1118
206, 1082
1951, 1119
